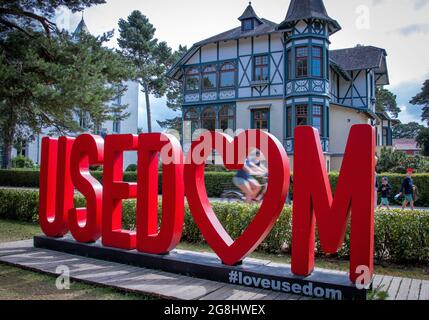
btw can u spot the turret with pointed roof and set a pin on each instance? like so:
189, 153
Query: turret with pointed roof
308, 9
249, 13
249, 19
81, 28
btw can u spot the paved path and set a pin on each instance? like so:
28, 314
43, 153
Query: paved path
166, 285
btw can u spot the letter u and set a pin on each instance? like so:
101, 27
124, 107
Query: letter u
56, 187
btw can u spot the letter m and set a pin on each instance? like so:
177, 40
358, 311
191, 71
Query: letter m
313, 201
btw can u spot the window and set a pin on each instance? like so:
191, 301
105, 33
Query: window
301, 116
385, 135
192, 122
317, 26
192, 79
227, 75
208, 119
289, 122
226, 118
247, 24
260, 119
209, 78
318, 118
301, 64
260, 72
84, 119
116, 126
316, 62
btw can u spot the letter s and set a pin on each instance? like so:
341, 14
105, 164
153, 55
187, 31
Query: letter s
85, 223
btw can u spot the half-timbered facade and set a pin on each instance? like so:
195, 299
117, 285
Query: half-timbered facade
275, 77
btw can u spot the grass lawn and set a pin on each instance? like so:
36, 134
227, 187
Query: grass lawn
19, 284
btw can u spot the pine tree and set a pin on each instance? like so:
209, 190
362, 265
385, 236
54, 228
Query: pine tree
423, 141
42, 91
27, 15
406, 130
422, 99
150, 57
386, 102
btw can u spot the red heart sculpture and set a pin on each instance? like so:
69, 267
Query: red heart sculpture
234, 152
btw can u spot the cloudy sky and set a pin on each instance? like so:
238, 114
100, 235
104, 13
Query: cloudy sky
399, 26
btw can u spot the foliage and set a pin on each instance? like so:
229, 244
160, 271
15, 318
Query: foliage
399, 236
422, 99
386, 102
131, 168
174, 124
423, 141
398, 162
149, 57
26, 15
46, 89
22, 162
174, 94
216, 182
406, 130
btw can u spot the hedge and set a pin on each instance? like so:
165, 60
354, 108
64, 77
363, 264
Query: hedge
400, 236
217, 182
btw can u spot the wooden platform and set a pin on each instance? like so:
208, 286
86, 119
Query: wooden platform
166, 285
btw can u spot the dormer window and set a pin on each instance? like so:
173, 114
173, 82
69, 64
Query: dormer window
248, 24
249, 19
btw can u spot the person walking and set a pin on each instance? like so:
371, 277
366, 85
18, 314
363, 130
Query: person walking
407, 189
384, 189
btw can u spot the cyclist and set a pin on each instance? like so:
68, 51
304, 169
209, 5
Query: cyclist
244, 180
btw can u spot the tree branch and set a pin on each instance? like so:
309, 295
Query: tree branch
46, 24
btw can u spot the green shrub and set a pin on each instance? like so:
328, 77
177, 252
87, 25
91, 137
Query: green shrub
399, 236
398, 162
21, 162
20, 205
217, 182
131, 168
19, 178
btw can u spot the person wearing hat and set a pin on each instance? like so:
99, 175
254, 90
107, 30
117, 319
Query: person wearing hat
407, 190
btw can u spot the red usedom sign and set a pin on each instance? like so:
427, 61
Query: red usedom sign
65, 166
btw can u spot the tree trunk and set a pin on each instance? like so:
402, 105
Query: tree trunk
148, 112
6, 156
8, 134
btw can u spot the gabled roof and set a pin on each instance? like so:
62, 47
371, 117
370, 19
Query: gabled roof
308, 9
362, 58
406, 145
249, 13
266, 27
358, 58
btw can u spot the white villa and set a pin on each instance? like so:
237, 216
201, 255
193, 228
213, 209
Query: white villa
276, 76
32, 150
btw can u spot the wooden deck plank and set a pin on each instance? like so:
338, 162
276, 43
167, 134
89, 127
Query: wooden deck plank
377, 281
271, 295
168, 285
287, 296
384, 285
404, 289
393, 288
424, 290
228, 291
414, 289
